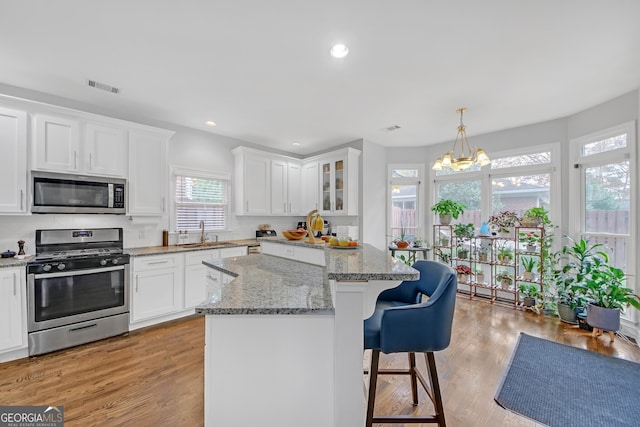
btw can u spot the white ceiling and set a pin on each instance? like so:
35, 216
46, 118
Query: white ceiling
261, 69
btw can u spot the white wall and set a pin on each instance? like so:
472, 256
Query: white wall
373, 218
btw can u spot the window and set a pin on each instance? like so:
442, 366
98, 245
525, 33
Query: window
201, 197
516, 180
404, 205
603, 196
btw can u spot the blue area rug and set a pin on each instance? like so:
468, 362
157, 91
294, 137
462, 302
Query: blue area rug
563, 386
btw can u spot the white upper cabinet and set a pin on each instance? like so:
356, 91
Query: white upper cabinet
270, 184
77, 146
339, 182
13, 162
147, 173
294, 188
105, 150
279, 202
56, 143
310, 186
252, 182
286, 188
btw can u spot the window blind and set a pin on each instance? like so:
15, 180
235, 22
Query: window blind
201, 199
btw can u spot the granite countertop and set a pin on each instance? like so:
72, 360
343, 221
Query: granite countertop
15, 262
266, 284
159, 250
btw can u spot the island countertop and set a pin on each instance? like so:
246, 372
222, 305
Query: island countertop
266, 284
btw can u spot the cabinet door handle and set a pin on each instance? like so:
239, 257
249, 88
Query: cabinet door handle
90, 161
158, 262
137, 283
75, 159
284, 207
163, 204
14, 284
247, 209
21, 199
289, 207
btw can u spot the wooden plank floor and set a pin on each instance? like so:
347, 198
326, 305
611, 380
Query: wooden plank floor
154, 376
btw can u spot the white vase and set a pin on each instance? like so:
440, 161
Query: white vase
462, 278
527, 275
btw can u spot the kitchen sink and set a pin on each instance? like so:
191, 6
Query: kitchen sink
206, 245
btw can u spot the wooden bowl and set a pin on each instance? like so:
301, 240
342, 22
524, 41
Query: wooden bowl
294, 234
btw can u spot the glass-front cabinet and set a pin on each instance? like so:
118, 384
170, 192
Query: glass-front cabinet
339, 183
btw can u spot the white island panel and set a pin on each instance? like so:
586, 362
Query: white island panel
269, 370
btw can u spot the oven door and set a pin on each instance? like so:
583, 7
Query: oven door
63, 298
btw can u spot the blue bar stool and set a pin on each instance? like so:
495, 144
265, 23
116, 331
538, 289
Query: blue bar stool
402, 323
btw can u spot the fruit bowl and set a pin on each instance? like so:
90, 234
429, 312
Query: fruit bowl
294, 234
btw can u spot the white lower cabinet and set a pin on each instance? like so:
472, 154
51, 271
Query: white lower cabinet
165, 287
196, 274
13, 333
310, 255
156, 288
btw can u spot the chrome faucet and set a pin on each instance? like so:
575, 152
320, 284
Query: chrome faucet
203, 238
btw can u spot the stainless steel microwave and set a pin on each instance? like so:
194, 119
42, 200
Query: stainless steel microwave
63, 193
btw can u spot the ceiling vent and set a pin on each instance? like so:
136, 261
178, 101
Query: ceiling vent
392, 128
103, 86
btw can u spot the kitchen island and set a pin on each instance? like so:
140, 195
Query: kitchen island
284, 340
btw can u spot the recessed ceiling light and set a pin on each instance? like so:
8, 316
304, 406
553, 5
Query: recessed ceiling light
295, 144
339, 51
210, 123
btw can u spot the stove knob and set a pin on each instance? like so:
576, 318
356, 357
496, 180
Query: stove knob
115, 260
46, 267
103, 262
61, 266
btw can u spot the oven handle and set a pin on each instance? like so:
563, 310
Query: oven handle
78, 272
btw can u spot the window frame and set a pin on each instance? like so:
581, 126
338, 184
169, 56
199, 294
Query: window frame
197, 173
486, 174
577, 209
420, 199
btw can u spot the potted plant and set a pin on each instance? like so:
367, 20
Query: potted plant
447, 209
529, 294
505, 278
531, 239
533, 217
504, 255
529, 263
607, 296
464, 232
403, 240
483, 253
569, 300
463, 273
479, 275
504, 222
444, 255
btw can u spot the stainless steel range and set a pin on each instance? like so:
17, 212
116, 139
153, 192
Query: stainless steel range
78, 288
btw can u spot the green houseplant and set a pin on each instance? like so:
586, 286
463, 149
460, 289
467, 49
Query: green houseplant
588, 275
447, 209
505, 278
504, 255
529, 294
464, 232
533, 217
528, 263
504, 221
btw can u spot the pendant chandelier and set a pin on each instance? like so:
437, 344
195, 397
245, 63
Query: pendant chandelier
465, 157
